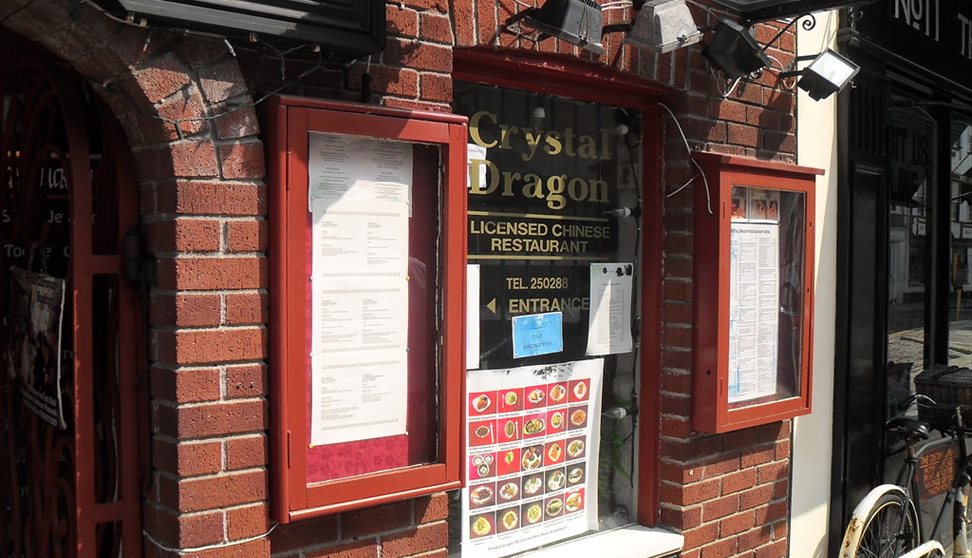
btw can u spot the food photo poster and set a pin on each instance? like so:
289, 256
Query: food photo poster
532, 437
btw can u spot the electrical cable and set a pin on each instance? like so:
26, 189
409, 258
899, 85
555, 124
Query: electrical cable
228, 544
688, 149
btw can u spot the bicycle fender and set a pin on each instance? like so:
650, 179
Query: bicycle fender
929, 549
856, 525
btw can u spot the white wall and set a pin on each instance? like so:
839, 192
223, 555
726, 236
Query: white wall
812, 434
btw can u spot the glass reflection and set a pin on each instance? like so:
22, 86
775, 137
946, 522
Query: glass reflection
960, 272
911, 140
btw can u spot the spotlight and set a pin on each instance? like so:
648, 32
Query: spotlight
663, 26
734, 50
827, 74
578, 22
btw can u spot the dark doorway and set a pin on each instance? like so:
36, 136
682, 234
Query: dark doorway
69, 341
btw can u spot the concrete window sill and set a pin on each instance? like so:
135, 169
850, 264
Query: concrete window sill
632, 541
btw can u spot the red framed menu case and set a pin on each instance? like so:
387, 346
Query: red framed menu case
753, 282
367, 214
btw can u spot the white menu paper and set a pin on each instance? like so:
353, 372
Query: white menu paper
472, 316
532, 438
359, 290
754, 287
609, 327
336, 162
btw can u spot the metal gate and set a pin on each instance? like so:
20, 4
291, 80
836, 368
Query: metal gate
67, 197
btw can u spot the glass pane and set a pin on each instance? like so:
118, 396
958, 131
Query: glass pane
911, 142
767, 270
374, 252
545, 172
960, 295
106, 378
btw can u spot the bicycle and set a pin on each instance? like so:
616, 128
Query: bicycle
887, 522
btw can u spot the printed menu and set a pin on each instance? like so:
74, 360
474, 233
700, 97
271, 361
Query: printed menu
532, 436
754, 280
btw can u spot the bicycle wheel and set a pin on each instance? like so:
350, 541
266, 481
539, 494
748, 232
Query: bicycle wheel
889, 529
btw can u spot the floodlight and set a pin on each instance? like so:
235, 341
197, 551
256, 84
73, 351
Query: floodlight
663, 26
827, 74
578, 22
734, 50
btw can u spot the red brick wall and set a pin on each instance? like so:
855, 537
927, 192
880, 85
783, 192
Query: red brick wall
204, 203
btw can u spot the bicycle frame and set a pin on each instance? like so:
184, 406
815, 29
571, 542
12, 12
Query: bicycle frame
956, 495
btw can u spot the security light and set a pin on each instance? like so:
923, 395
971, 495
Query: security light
734, 50
578, 22
828, 73
663, 26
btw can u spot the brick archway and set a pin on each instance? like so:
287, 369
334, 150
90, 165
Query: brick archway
200, 169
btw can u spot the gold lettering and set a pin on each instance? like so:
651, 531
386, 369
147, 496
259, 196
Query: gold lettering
588, 148
554, 145
474, 128
492, 176
555, 185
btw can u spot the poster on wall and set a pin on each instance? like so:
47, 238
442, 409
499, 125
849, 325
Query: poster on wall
34, 352
609, 331
532, 438
754, 286
359, 197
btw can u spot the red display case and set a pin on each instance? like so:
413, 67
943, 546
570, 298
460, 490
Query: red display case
753, 292
328, 457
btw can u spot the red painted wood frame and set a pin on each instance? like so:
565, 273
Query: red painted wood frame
553, 74
711, 411
288, 121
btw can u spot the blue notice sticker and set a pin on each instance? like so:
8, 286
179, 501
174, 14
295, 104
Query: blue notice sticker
538, 334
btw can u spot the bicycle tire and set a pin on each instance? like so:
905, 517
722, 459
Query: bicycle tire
888, 529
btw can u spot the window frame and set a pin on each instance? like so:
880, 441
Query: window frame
549, 74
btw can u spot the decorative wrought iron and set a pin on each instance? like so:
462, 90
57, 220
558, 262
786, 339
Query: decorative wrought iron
65, 194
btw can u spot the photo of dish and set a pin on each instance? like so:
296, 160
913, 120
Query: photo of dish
480, 496
580, 390
531, 458
574, 501
556, 480
554, 507
483, 431
554, 453
510, 519
534, 513
481, 526
575, 448
508, 457
509, 491
557, 393
536, 396
533, 426
481, 402
483, 464
575, 475
557, 419
511, 398
532, 485
578, 417
510, 429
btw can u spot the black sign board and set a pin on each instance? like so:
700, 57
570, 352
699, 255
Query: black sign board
935, 35
544, 171
349, 27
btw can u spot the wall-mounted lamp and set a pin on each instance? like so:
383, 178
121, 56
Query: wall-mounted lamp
663, 26
827, 74
734, 50
578, 22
